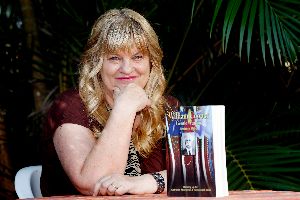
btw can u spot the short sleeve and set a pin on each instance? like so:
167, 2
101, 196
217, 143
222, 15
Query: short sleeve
66, 108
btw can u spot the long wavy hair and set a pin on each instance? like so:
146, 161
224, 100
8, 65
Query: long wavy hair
119, 29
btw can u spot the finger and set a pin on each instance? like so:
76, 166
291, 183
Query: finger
112, 189
120, 191
98, 185
96, 189
106, 188
103, 190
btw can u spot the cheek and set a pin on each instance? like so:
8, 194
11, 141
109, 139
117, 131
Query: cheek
144, 69
145, 73
107, 74
108, 70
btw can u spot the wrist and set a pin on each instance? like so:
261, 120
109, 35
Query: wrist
160, 182
126, 108
144, 184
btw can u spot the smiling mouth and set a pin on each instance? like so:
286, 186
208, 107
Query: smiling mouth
126, 78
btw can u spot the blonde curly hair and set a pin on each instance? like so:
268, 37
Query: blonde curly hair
119, 29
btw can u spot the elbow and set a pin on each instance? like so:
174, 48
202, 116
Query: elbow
85, 189
85, 192
83, 186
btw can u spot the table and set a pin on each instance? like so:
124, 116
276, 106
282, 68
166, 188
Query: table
233, 195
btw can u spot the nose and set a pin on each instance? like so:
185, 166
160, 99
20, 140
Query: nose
126, 66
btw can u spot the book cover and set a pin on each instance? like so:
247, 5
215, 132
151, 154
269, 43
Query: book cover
196, 158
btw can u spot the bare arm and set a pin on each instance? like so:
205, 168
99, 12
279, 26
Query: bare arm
86, 159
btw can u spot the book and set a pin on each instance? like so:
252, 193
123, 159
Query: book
196, 157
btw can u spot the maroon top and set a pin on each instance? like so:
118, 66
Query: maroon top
69, 108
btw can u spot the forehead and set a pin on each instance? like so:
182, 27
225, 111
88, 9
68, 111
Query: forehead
130, 50
124, 35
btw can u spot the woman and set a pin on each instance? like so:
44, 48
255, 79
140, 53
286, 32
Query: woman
106, 138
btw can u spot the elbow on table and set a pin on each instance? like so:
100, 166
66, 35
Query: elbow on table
83, 186
86, 189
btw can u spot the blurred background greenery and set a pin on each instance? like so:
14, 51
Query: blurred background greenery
242, 54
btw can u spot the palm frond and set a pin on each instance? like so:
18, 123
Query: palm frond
257, 151
269, 35
251, 24
257, 167
243, 25
278, 21
262, 22
230, 15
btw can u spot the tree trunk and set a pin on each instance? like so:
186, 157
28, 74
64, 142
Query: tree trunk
6, 172
38, 87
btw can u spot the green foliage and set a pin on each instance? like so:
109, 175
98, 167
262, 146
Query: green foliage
260, 154
262, 148
279, 26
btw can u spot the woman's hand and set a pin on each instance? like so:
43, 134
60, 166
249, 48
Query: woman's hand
118, 184
115, 184
132, 97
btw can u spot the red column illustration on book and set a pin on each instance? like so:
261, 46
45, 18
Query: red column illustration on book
190, 154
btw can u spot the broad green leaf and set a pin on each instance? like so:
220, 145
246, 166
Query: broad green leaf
286, 11
278, 16
280, 37
250, 27
275, 34
218, 5
287, 41
272, 169
228, 13
237, 182
262, 28
243, 26
235, 9
294, 52
234, 175
288, 1
290, 48
269, 33
291, 26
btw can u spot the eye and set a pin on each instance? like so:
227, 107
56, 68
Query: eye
138, 57
114, 58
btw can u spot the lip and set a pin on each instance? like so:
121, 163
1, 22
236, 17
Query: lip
126, 78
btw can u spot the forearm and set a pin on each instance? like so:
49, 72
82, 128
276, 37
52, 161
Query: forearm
110, 152
111, 148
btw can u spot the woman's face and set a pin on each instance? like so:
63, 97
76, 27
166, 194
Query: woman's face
124, 67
